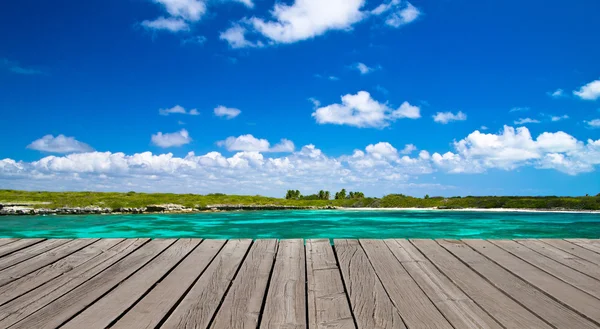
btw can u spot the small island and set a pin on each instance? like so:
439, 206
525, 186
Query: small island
14, 202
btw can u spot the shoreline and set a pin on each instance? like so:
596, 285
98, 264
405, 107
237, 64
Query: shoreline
474, 210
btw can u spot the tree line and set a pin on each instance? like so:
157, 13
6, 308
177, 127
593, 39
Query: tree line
323, 195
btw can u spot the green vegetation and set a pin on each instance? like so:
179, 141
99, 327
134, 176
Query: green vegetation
352, 199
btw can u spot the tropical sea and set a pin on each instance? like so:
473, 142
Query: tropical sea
373, 224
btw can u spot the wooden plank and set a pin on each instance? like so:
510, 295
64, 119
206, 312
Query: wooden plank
32, 264
49, 272
585, 244
34, 300
328, 305
17, 245
104, 311
242, 304
563, 257
201, 302
65, 307
5, 241
575, 299
558, 270
371, 306
504, 310
285, 306
412, 303
460, 310
574, 249
30, 252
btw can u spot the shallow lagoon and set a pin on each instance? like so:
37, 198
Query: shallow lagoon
310, 224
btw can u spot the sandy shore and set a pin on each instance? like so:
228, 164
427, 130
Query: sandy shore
476, 210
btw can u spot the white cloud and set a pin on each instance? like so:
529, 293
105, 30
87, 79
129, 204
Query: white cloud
168, 24
590, 91
249, 143
177, 109
236, 38
512, 148
305, 19
59, 144
557, 93
377, 169
555, 118
247, 3
445, 117
178, 138
593, 123
408, 149
402, 12
484, 128
526, 120
190, 10
227, 112
519, 109
363, 68
361, 110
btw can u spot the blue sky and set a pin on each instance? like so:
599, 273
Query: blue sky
492, 97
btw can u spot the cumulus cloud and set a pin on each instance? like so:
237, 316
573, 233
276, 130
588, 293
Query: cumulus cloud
521, 121
167, 24
398, 12
514, 148
178, 138
593, 123
363, 68
249, 143
226, 112
377, 169
445, 117
177, 109
306, 19
180, 14
557, 93
361, 110
555, 118
519, 109
236, 38
590, 91
408, 149
59, 144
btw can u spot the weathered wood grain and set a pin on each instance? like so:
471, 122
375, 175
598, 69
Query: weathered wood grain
558, 270
242, 305
21, 269
504, 309
49, 272
34, 300
414, 306
5, 241
328, 305
371, 306
574, 298
104, 311
574, 250
563, 257
9, 248
586, 244
285, 306
457, 307
59, 311
29, 250
200, 303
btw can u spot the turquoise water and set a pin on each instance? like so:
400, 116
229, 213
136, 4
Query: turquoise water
310, 224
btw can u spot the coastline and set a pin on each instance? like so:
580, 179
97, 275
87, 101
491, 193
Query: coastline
473, 210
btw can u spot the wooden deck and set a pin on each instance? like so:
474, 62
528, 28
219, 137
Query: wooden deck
194, 283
